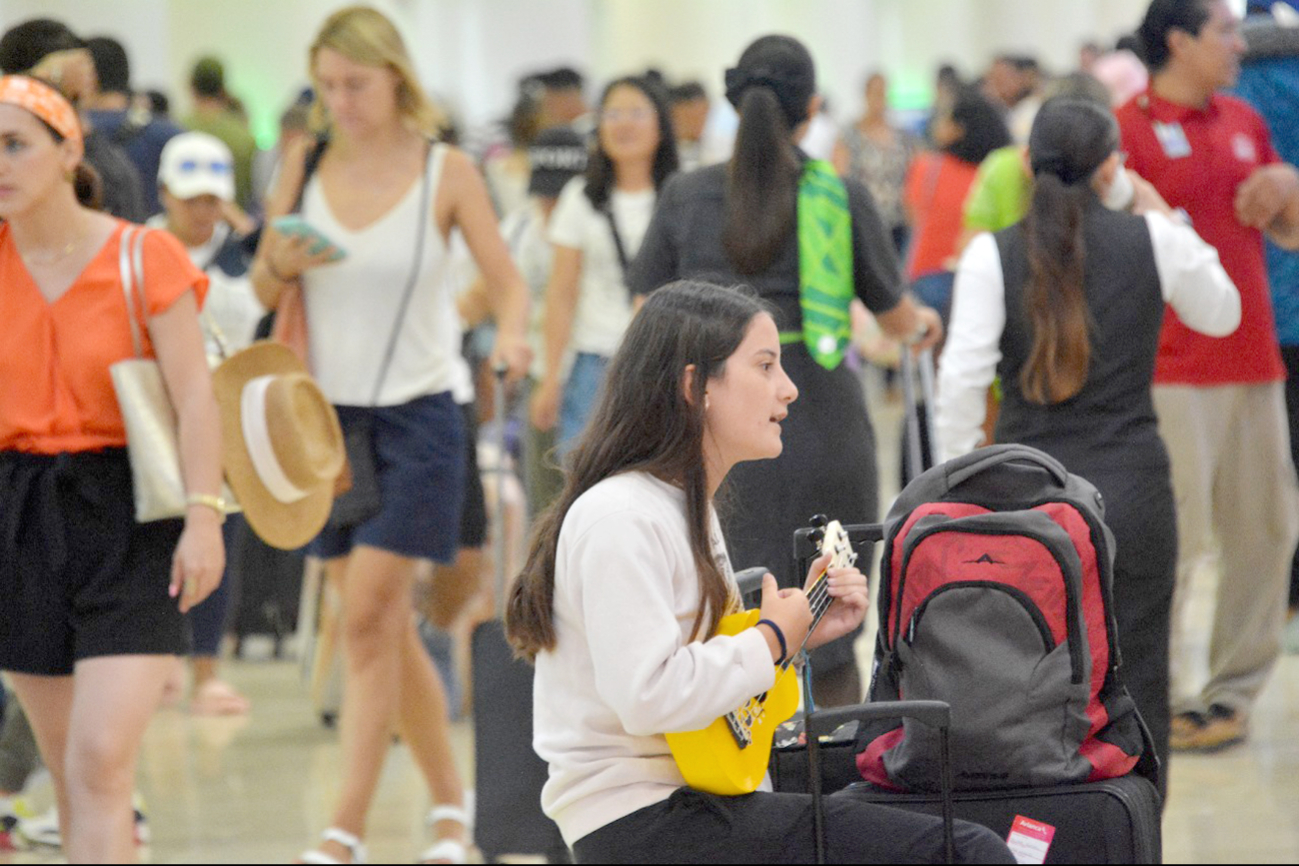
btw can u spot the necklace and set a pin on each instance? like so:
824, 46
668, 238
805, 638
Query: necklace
57, 257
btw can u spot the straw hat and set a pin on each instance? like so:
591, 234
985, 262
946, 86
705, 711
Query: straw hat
283, 447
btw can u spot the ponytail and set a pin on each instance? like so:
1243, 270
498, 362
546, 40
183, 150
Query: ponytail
1055, 300
762, 196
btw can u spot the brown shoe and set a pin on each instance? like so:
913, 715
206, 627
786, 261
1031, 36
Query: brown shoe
1213, 731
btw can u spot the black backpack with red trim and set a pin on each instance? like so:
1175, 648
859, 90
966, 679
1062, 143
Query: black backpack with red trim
995, 596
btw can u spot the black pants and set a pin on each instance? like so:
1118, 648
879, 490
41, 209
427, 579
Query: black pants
692, 827
1290, 355
1140, 512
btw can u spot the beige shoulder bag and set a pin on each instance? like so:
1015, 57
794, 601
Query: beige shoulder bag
151, 424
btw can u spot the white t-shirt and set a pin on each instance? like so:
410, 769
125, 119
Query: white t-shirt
625, 668
231, 303
603, 303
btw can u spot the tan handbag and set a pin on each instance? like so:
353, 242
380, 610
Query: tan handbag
151, 425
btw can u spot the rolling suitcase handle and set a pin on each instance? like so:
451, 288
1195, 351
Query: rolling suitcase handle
498, 539
914, 447
935, 714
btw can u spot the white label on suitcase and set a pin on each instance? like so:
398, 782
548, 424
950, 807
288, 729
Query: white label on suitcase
1030, 840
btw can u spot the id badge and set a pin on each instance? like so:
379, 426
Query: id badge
1172, 138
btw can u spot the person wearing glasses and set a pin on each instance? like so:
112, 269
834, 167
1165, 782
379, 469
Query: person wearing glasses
596, 230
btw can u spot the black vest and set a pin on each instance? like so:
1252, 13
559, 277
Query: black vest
1110, 424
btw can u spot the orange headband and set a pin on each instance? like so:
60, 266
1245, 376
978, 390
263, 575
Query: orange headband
43, 101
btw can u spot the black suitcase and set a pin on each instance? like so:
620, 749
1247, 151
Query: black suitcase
1112, 821
269, 591
508, 775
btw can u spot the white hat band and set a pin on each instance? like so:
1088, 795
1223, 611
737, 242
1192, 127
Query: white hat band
257, 438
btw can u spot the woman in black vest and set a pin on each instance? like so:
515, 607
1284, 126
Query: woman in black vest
1066, 308
738, 223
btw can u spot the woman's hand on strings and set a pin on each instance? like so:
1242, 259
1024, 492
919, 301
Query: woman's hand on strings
851, 600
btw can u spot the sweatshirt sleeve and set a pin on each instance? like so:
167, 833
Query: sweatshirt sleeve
645, 672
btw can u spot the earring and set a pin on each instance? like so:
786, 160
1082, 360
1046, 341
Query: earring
706, 402
70, 176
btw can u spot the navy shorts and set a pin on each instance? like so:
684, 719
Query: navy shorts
79, 578
420, 457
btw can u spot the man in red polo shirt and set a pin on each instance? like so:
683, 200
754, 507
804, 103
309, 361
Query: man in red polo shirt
1221, 402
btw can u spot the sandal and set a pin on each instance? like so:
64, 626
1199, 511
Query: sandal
355, 849
447, 850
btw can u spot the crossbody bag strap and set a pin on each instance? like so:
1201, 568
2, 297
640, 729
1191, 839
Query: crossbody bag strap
617, 237
310, 163
424, 207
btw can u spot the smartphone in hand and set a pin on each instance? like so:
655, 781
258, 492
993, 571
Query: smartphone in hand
295, 226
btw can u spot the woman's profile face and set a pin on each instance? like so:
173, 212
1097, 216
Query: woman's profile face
745, 405
357, 96
32, 163
629, 124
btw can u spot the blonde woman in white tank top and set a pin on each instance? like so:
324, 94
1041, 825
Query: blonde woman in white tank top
365, 195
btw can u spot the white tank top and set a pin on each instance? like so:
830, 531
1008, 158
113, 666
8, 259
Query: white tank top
352, 306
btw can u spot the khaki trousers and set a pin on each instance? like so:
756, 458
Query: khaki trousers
1234, 484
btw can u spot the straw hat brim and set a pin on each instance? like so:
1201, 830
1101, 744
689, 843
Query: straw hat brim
286, 525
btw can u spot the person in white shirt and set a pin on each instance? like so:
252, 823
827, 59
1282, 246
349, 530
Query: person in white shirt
196, 187
382, 344
1067, 306
626, 581
597, 229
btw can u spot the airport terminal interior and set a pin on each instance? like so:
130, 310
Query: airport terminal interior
258, 779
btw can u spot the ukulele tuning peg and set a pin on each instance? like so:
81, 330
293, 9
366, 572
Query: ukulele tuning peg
816, 536
819, 521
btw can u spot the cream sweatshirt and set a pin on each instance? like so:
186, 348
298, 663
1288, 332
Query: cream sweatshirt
625, 669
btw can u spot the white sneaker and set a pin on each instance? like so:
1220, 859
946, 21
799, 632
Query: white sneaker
41, 831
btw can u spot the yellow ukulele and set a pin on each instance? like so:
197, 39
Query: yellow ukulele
730, 756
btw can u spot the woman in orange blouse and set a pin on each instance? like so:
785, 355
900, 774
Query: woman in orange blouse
93, 601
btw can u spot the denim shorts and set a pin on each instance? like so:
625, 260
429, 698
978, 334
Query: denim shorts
580, 392
420, 458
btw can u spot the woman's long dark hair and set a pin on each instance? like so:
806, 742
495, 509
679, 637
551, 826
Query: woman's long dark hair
985, 128
645, 422
771, 87
600, 174
1070, 140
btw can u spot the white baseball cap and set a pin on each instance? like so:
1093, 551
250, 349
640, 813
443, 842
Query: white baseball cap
194, 164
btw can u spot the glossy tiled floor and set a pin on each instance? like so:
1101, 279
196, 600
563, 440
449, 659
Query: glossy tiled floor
258, 789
